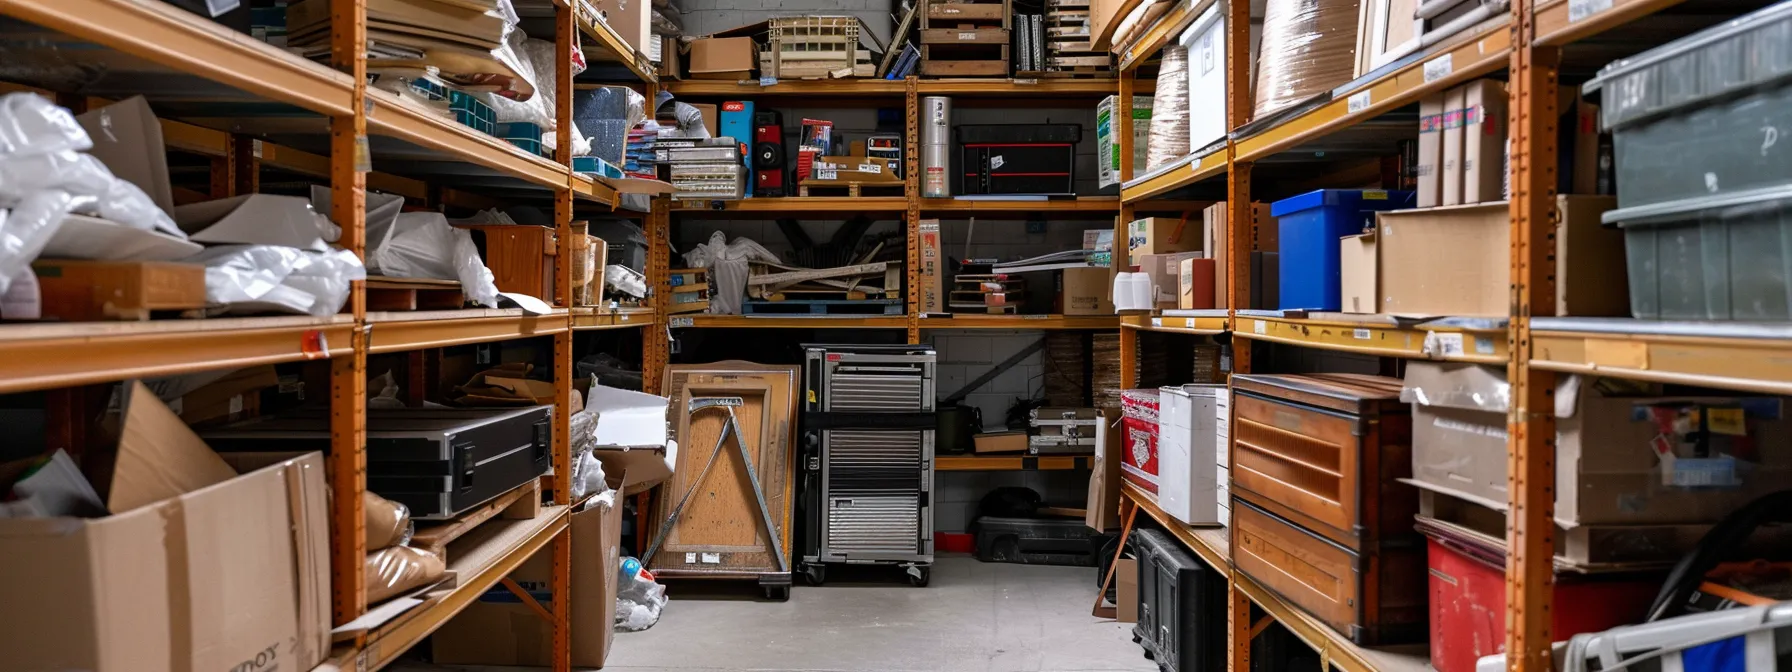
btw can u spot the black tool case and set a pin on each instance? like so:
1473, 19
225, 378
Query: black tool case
1182, 607
1036, 541
1030, 159
438, 462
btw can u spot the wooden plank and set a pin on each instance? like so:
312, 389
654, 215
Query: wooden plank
511, 505
992, 68
964, 36
817, 274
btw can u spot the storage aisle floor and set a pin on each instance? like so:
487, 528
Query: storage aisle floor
974, 616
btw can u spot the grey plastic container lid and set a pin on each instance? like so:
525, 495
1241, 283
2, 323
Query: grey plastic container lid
1749, 51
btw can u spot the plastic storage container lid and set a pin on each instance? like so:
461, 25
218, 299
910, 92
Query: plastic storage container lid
1750, 51
1358, 199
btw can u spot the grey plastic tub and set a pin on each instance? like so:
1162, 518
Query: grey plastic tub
1726, 257
1703, 115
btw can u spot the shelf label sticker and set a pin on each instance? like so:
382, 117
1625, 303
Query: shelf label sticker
871, 168
690, 558
712, 558
1580, 9
680, 322
314, 345
1360, 334
1438, 68
1442, 345
363, 155
1036, 317
1157, 322
967, 35
1483, 345
768, 81
1195, 165
1259, 327
255, 148
1358, 102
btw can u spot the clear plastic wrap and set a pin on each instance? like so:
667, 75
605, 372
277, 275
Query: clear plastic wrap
387, 523
28, 228
393, 570
1169, 110
31, 124
587, 475
728, 265
639, 598
424, 245
262, 278
1309, 46
626, 280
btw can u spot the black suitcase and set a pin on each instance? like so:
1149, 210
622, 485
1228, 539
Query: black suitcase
1036, 541
1018, 158
1182, 607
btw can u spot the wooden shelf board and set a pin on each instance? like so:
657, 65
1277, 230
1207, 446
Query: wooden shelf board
49, 355
1053, 322
413, 330
605, 46
480, 559
1182, 173
1202, 325
1555, 25
830, 206
1742, 356
1167, 28
789, 87
1011, 462
592, 319
592, 190
1375, 335
1213, 544
1332, 646
1003, 88
395, 117
1475, 52
703, 321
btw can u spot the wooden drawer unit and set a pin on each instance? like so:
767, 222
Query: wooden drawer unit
1325, 451
1375, 595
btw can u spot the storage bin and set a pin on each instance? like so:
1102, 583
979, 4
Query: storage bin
1182, 607
1309, 226
1701, 115
1188, 439
1036, 541
472, 112
1716, 258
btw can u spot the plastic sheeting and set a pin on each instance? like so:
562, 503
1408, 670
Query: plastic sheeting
1309, 46
420, 245
728, 265
391, 571
271, 278
639, 599
1169, 110
537, 64
387, 523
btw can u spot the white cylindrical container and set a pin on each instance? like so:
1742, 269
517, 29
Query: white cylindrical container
1142, 297
936, 120
936, 147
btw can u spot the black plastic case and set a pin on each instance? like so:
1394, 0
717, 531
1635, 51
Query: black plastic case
1182, 606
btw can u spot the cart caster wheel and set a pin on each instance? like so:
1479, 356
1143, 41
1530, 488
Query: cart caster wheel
1136, 639
777, 593
815, 574
1150, 656
918, 576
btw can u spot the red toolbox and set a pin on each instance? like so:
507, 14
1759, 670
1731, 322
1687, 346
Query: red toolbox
1138, 455
1468, 602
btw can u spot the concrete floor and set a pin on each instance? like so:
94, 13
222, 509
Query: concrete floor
973, 616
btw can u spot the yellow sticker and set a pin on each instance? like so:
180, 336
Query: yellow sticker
1375, 195
1730, 421
812, 396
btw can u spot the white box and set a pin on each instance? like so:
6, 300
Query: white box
1223, 495
1107, 144
1205, 40
1186, 443
1222, 429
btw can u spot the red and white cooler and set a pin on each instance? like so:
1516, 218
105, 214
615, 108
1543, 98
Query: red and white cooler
1138, 455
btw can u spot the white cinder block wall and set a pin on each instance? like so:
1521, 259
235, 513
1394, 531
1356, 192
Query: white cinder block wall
963, 355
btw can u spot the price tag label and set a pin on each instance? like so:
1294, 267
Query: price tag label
768, 81
1443, 345
680, 322
1195, 165
871, 168
967, 35
1580, 9
1157, 322
1483, 345
1360, 334
1438, 68
1036, 317
1358, 102
827, 174
1259, 327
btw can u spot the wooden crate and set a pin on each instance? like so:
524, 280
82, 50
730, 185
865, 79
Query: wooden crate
521, 257
966, 39
385, 293
809, 47
117, 290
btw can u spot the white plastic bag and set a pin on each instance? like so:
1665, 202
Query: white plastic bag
639, 599
31, 124
262, 278
28, 228
587, 475
728, 264
382, 392
423, 245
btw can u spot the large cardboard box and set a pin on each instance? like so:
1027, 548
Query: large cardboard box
1357, 273
1429, 167
198, 569
932, 275
671, 58
723, 58
1000, 442
1484, 141
1160, 235
631, 19
1084, 291
1455, 260
1625, 455
1126, 590
1194, 284
498, 629
1450, 177
1213, 240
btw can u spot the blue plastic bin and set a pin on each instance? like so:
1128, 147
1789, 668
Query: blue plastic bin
1310, 225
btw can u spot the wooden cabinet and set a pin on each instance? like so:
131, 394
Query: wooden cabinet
521, 257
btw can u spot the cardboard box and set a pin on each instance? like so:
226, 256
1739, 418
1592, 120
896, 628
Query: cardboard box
631, 19
631, 437
1126, 590
1213, 239
1194, 284
932, 275
671, 58
498, 629
1107, 143
1578, 139
1610, 464
1160, 235
1484, 141
710, 117
234, 397
1000, 442
127, 137
1101, 506
1450, 175
1084, 291
723, 58
1455, 260
1163, 269
1429, 168
198, 568
1357, 273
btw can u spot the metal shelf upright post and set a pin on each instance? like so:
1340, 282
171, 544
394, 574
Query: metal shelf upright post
348, 375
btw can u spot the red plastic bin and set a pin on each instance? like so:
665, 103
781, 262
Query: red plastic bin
1468, 605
